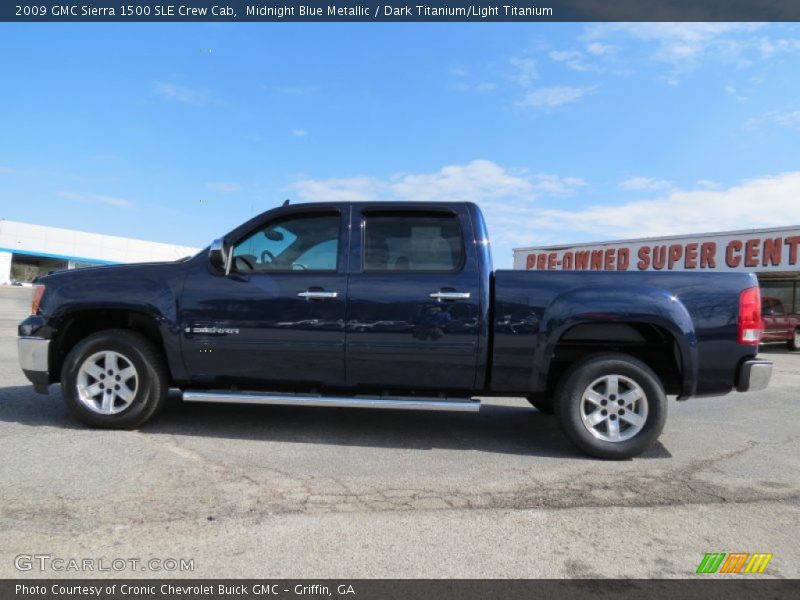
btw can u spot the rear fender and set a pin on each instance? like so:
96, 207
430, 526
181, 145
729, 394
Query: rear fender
618, 304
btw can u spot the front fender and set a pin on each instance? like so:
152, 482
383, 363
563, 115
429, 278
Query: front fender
145, 292
618, 304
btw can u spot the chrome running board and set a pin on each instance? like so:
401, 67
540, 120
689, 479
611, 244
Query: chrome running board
393, 402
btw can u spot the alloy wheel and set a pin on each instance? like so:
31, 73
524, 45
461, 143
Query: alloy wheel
614, 408
107, 382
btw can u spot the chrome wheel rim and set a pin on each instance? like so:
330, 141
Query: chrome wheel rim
107, 382
614, 408
797, 338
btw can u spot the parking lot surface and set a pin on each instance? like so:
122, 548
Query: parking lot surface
308, 492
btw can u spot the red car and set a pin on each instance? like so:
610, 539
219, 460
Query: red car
779, 326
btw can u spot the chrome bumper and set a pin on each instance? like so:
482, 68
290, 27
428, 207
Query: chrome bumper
33, 352
754, 375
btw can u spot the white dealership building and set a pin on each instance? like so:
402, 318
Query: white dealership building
773, 254
28, 250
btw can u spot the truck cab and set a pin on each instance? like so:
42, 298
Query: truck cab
334, 296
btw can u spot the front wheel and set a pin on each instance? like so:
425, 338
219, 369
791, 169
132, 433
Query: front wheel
794, 343
114, 379
611, 406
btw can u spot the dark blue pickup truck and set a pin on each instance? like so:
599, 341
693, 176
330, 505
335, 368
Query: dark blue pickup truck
391, 305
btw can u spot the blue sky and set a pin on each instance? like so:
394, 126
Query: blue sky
561, 132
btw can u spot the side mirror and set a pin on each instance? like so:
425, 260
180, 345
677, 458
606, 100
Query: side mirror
217, 255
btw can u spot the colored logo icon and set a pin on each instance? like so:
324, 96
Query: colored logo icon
734, 562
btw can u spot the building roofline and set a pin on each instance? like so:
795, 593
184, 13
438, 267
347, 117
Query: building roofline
95, 261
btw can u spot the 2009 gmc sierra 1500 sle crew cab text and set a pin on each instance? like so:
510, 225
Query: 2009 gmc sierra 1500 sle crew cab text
391, 305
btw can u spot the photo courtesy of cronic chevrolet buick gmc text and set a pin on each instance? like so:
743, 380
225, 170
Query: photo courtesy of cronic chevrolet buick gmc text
391, 305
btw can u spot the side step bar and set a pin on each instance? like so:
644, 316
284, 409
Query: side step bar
448, 404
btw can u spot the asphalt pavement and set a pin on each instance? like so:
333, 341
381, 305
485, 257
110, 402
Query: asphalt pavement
247, 491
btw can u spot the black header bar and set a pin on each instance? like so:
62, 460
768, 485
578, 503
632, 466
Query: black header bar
396, 589
480, 11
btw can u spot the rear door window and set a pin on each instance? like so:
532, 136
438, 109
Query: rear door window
421, 242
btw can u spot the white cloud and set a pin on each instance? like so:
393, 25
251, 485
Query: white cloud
599, 49
299, 132
547, 98
524, 71
476, 181
345, 189
465, 82
507, 196
571, 58
223, 187
5, 170
680, 212
96, 199
645, 183
179, 93
479, 87
769, 47
732, 91
708, 184
682, 47
788, 118
783, 118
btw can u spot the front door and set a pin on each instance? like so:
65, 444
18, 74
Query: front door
277, 316
413, 314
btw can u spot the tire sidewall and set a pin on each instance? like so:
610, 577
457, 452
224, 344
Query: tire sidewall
129, 346
568, 405
793, 345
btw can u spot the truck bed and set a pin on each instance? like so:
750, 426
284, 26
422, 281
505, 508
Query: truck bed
697, 313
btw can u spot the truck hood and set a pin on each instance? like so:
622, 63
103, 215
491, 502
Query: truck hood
103, 271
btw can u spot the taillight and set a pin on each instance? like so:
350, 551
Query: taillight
38, 292
750, 316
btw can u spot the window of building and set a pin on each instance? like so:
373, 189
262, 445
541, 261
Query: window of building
784, 291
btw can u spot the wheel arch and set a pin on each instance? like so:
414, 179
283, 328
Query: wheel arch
648, 323
79, 323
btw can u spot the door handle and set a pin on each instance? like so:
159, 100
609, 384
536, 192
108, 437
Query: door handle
442, 296
318, 295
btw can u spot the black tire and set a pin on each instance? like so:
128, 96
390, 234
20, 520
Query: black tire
152, 382
544, 403
569, 401
794, 343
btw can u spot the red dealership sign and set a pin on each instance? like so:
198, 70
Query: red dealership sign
766, 250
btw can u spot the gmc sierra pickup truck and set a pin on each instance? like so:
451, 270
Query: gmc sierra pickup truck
391, 305
778, 325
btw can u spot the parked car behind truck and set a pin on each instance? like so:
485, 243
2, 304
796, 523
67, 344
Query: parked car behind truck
778, 325
391, 305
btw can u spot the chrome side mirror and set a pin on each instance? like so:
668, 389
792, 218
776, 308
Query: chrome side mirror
217, 255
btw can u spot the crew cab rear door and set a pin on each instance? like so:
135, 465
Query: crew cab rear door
277, 315
413, 315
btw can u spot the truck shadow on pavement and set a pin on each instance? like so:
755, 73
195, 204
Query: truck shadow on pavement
501, 429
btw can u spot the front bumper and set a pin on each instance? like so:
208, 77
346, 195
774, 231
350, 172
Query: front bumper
754, 375
34, 359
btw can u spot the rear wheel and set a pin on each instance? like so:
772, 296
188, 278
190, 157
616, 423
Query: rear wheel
611, 406
794, 343
114, 379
